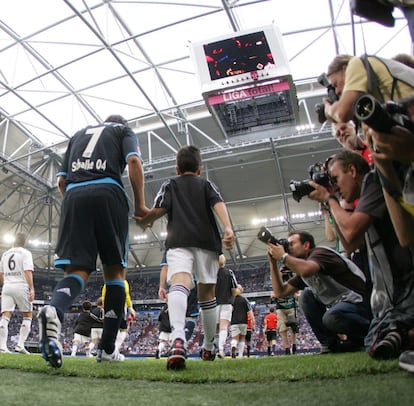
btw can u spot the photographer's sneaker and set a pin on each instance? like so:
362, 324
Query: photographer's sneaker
103, 356
406, 361
324, 350
387, 348
49, 331
177, 355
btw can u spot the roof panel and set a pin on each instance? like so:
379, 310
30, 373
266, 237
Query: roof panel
150, 16
26, 17
118, 95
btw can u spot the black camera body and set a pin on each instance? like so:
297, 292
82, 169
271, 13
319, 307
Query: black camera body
293, 323
332, 97
266, 236
374, 10
286, 273
317, 173
380, 117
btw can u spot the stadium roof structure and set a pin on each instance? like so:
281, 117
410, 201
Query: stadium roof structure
69, 63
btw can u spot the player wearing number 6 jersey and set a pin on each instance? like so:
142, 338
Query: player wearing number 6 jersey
16, 270
94, 221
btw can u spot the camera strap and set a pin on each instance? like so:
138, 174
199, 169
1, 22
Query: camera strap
295, 307
373, 80
394, 193
408, 207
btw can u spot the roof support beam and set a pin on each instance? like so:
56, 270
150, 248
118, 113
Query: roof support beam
118, 59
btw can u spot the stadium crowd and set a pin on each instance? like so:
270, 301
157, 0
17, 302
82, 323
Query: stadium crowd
142, 338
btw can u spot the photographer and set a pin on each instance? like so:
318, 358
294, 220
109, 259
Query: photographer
334, 301
347, 135
392, 301
319, 174
388, 148
350, 78
398, 188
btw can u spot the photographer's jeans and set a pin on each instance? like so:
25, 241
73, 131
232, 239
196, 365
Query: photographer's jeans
352, 319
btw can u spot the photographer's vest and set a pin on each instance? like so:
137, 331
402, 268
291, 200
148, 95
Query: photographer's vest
328, 290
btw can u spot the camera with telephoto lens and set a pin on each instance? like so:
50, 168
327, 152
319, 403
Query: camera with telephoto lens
332, 97
266, 236
381, 117
317, 173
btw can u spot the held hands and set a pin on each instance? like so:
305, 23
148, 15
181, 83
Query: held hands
141, 211
142, 222
140, 215
150, 216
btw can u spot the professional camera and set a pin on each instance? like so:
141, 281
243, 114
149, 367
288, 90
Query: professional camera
374, 10
286, 273
380, 117
317, 173
266, 236
332, 97
293, 323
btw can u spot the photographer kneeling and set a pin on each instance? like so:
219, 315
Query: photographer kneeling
334, 301
392, 301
